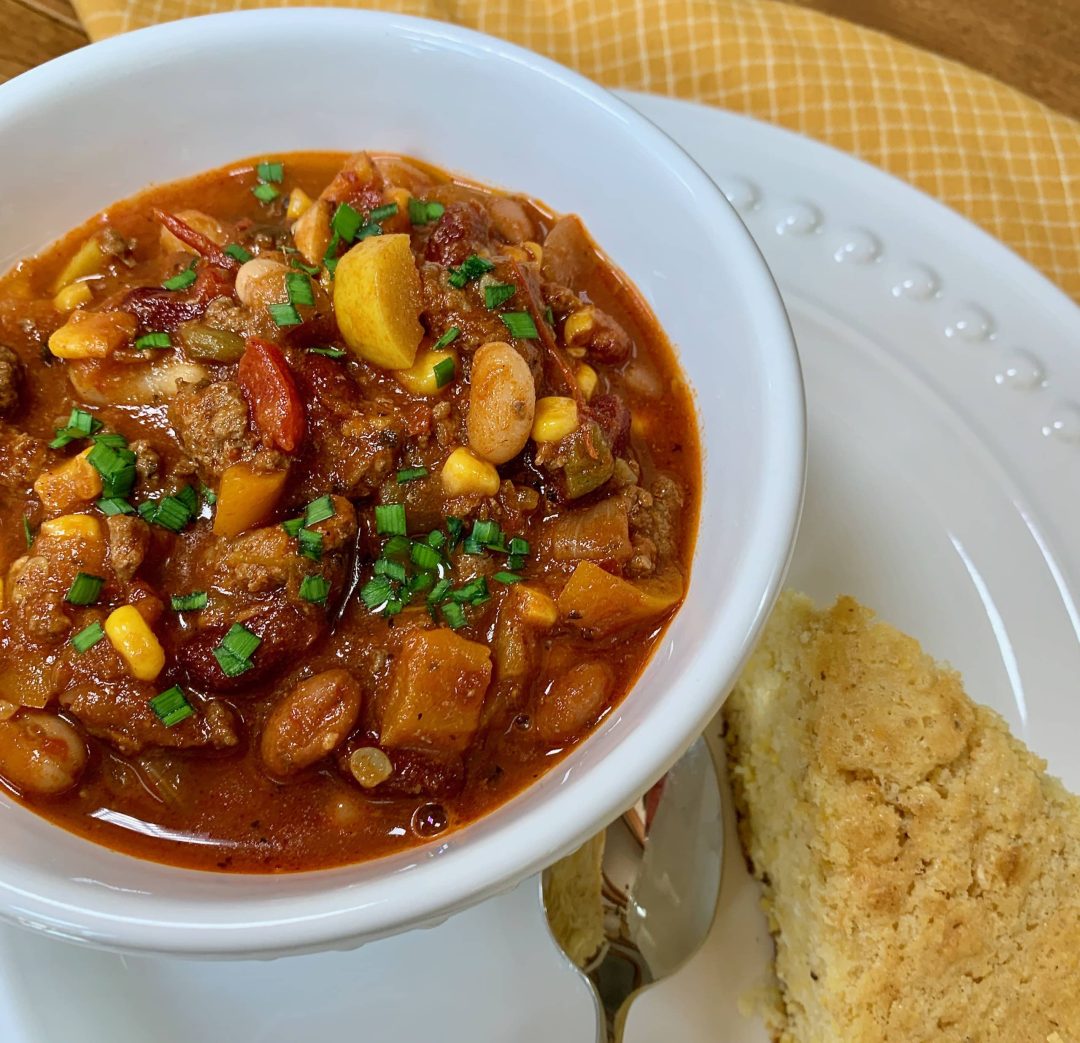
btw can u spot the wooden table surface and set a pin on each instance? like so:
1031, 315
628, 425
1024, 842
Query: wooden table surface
1031, 44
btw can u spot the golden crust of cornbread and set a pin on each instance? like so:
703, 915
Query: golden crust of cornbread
572, 899
921, 871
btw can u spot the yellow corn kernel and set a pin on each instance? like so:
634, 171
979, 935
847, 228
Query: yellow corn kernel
554, 419
75, 481
420, 377
137, 644
464, 472
578, 326
534, 250
73, 527
72, 297
537, 607
586, 380
299, 204
92, 334
89, 259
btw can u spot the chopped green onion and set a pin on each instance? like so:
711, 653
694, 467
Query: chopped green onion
436, 539
298, 286
487, 532
315, 589
410, 474
507, 577
319, 510
397, 547
469, 270
368, 230
549, 316
193, 602
393, 606
114, 505
310, 544
346, 222
381, 213
444, 372
208, 495
265, 193
111, 439
116, 467
182, 280
390, 519
439, 591
376, 592
519, 546
421, 212
189, 498
472, 593
425, 557
293, 526
284, 314
455, 527
498, 293
236, 649
392, 569
80, 425
89, 636
270, 171
171, 512
471, 545
520, 324
330, 353
171, 706
420, 582
447, 338
310, 269
454, 615
516, 562
153, 340
236, 251
27, 534
84, 589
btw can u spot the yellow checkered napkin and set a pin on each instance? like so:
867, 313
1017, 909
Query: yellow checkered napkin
1005, 161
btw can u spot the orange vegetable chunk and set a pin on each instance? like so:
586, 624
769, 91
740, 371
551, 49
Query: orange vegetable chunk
596, 600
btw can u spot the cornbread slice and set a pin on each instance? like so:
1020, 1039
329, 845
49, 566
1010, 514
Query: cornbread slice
921, 871
572, 899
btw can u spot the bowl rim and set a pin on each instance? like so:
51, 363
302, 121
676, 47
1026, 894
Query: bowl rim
333, 917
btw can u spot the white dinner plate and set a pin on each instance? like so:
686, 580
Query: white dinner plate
943, 383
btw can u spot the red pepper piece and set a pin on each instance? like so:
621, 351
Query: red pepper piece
270, 390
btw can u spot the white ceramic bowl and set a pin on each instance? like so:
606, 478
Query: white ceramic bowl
103, 122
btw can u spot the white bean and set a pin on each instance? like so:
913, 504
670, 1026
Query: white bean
40, 754
502, 402
261, 281
204, 223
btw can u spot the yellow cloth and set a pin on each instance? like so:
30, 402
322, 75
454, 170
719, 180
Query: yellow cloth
1007, 162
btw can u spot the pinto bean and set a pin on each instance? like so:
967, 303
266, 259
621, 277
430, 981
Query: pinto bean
509, 219
41, 754
312, 719
573, 701
502, 402
261, 281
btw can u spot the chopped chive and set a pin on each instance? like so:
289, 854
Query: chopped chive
84, 589
420, 582
507, 577
315, 589
153, 340
265, 193
454, 615
498, 293
471, 545
393, 606
410, 474
193, 602
436, 539
330, 353
293, 526
455, 527
469, 271
381, 213
116, 467
520, 324
516, 562
390, 519
471, 593
422, 212
238, 252
310, 544
284, 314
375, 592
111, 439
346, 222
397, 547
444, 372
487, 532
319, 510
171, 706
519, 546
171, 512
298, 286
391, 569
270, 171
240, 644
439, 591
309, 269
447, 338
189, 498
147, 510
425, 557
80, 425
182, 280
114, 505
208, 495
27, 534
369, 229
89, 636
549, 316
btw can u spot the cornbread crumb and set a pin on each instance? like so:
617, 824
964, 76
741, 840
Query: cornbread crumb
921, 871
572, 898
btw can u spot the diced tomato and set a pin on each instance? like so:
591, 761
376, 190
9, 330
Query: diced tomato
270, 390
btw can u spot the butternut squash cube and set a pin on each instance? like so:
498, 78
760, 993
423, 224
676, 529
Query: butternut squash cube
597, 601
246, 498
436, 692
